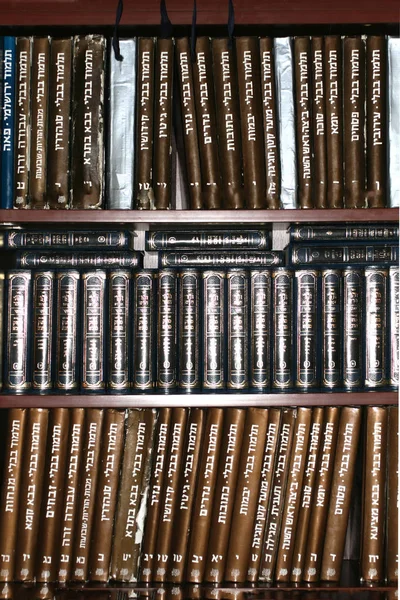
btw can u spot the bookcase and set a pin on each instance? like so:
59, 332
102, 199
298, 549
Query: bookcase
99, 15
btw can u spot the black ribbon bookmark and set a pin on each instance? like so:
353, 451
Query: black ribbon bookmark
193, 37
231, 22
115, 40
165, 24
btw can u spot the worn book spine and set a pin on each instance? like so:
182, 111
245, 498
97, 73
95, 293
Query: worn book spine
70, 495
308, 495
39, 118
352, 353
67, 260
265, 258
246, 495
87, 122
225, 492
246, 239
393, 50
379, 232
22, 121
303, 99
11, 491
278, 491
17, 376
9, 119
59, 126
67, 302
282, 328
93, 330
2, 326
121, 126
260, 329
43, 334
31, 494
106, 494
354, 121
214, 335
204, 496
375, 282
331, 307
189, 117
392, 496
87, 493
189, 281
118, 346
67, 240
394, 326
206, 122
318, 121
306, 328
249, 88
143, 377
53, 490
228, 122
335, 255
270, 116
237, 376
167, 330
340, 494
145, 124
334, 120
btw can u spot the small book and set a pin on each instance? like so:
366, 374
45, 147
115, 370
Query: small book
167, 329
214, 329
266, 258
118, 346
349, 232
81, 260
355, 254
306, 324
145, 124
43, 332
93, 376
189, 330
237, 372
260, 328
216, 239
282, 328
8, 106
375, 282
23, 91
352, 328
143, 334
67, 322
66, 240
332, 329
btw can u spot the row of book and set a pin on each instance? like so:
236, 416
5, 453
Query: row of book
237, 329
304, 122
179, 495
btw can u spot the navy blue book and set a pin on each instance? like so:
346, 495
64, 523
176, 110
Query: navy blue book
7, 126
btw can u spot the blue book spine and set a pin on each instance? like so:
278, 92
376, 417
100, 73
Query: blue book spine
8, 117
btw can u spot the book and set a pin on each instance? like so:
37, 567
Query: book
143, 370
214, 332
282, 328
356, 254
23, 85
67, 260
119, 339
93, 330
2, 325
145, 124
353, 323
8, 112
319, 125
393, 317
304, 137
65, 240
43, 333
332, 329
215, 239
349, 232
265, 258
167, 330
260, 328
393, 50
392, 495
237, 375
306, 315
375, 282
189, 281
67, 322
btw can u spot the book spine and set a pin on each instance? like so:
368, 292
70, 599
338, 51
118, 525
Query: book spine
303, 99
334, 120
187, 240
190, 135
17, 375
282, 327
204, 496
65, 240
118, 334
11, 491
376, 107
237, 343
307, 320
225, 491
267, 470
31, 494
319, 508
121, 127
287, 130
39, 116
67, 260
394, 325
53, 489
228, 122
58, 142
2, 326
246, 495
376, 282
207, 130
260, 329
266, 258
213, 329
69, 504
189, 329
392, 496
87, 121
338, 233
43, 305
354, 121
351, 254
145, 124
22, 160
66, 375
318, 120
143, 330
270, 116
87, 493
307, 494
93, 336
393, 111
373, 532
249, 87
167, 330
9, 109
352, 327
331, 306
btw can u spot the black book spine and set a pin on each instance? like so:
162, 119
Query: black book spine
67, 309
382, 232
189, 329
237, 296
331, 328
394, 326
282, 326
93, 355
353, 254
260, 329
376, 282
352, 327
118, 331
143, 378
266, 258
306, 318
242, 240
64, 240
43, 289
67, 260
213, 329
167, 330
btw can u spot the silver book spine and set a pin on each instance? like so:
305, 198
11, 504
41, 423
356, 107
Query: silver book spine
394, 120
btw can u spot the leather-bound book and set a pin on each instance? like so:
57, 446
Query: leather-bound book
334, 120
145, 124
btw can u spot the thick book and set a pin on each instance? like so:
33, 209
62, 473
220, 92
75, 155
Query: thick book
392, 495
266, 258
8, 116
118, 334
237, 372
356, 254
393, 324
93, 330
282, 328
78, 239
393, 49
214, 329
349, 232
145, 123
43, 330
245, 239
318, 122
189, 281
143, 367
67, 322
306, 322
23, 92
332, 330
66, 260
167, 330
304, 138
260, 328
375, 282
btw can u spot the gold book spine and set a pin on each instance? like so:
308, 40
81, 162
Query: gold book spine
303, 99
145, 124
318, 121
23, 121
392, 506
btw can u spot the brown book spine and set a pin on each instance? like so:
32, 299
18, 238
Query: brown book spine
228, 122
22, 121
207, 130
249, 86
392, 506
87, 493
58, 142
268, 91
190, 135
10, 491
334, 120
318, 119
39, 117
205, 492
154, 502
281, 472
186, 496
145, 124
106, 494
376, 60
164, 76
53, 488
31, 493
354, 121
228, 470
69, 507
246, 497
302, 72
340, 494
307, 495
87, 122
